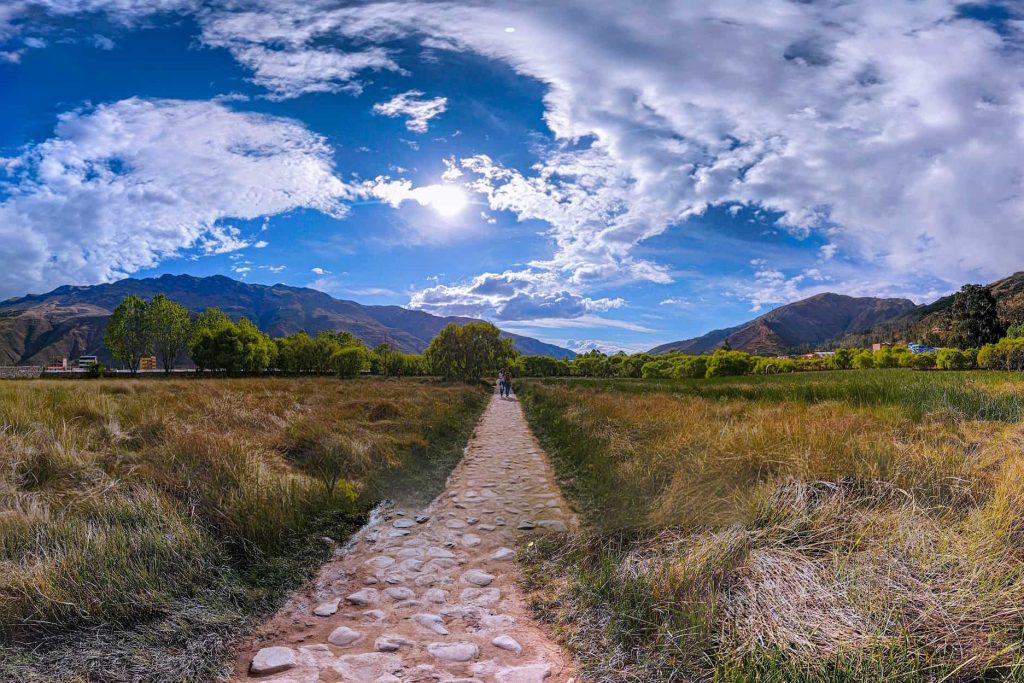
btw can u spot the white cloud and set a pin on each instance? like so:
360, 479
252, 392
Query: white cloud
412, 105
261, 244
126, 185
896, 125
893, 126
319, 271
512, 295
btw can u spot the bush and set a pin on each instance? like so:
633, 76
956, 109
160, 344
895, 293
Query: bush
864, 360
729, 363
921, 361
349, 361
952, 359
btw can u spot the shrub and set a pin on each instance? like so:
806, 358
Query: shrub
921, 361
864, 360
729, 363
952, 359
349, 361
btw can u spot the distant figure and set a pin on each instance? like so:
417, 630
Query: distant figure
507, 385
501, 383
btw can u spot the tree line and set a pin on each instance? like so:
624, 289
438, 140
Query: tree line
217, 344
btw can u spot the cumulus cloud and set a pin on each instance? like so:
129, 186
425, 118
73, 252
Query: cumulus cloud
122, 186
412, 105
894, 126
512, 295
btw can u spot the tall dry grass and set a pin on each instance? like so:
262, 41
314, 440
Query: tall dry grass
783, 539
143, 524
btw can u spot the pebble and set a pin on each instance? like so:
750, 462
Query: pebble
421, 519
552, 525
381, 562
373, 615
455, 524
400, 593
470, 540
272, 660
326, 609
365, 596
508, 643
525, 525
503, 554
454, 652
440, 553
343, 636
391, 643
436, 596
431, 622
478, 578
403, 523
531, 673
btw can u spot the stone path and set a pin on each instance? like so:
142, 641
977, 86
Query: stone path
431, 595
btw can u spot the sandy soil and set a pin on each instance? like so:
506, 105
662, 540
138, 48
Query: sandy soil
431, 595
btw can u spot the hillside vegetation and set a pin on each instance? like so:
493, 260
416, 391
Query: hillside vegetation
839, 527
145, 524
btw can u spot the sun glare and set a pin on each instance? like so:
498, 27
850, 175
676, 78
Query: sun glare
447, 200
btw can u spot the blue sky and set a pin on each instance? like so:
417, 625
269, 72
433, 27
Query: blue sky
572, 171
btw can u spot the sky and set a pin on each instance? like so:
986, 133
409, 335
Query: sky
593, 173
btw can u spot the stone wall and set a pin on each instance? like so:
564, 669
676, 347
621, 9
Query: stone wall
20, 371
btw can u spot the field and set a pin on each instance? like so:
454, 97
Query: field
145, 525
844, 526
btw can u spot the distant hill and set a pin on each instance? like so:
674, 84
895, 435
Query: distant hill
798, 326
69, 321
917, 324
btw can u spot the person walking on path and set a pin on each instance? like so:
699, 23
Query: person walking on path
507, 386
501, 383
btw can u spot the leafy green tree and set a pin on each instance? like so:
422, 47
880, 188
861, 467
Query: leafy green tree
539, 366
841, 359
128, 335
592, 364
952, 359
974, 318
726, 363
257, 350
864, 360
469, 351
210, 344
348, 361
171, 329
921, 361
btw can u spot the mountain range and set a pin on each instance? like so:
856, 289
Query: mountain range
799, 326
70, 320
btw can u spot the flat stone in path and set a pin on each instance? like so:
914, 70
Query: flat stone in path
431, 595
508, 643
454, 652
343, 636
326, 609
272, 660
478, 578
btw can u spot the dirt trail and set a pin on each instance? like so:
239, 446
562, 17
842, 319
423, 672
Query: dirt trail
431, 595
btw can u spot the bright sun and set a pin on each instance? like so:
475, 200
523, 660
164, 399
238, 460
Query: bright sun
447, 200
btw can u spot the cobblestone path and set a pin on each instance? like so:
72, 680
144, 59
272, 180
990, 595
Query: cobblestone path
431, 595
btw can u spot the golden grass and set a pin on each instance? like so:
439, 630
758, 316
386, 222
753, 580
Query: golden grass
124, 503
785, 540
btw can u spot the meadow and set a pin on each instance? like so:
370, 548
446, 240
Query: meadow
842, 526
145, 525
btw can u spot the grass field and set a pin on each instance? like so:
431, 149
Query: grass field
863, 525
145, 524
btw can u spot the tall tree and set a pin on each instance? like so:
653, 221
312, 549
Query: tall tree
469, 351
974, 318
128, 334
171, 329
